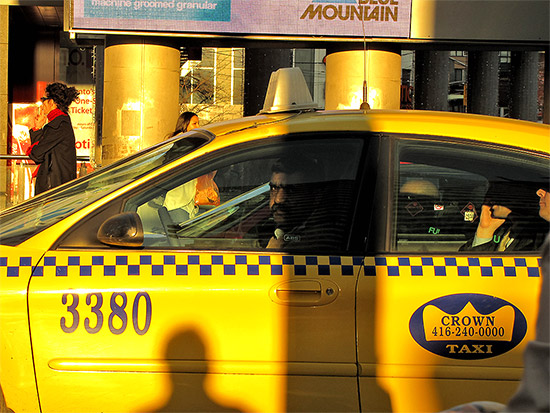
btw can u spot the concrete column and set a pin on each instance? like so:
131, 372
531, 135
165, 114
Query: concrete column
259, 64
483, 83
431, 80
141, 94
4, 37
347, 70
524, 85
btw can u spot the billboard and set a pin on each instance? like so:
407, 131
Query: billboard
293, 18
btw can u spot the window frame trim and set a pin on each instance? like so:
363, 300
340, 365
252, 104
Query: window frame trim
392, 157
196, 164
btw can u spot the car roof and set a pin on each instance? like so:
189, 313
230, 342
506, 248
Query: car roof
483, 129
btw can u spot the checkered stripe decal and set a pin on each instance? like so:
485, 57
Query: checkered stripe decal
183, 265
453, 266
254, 265
15, 267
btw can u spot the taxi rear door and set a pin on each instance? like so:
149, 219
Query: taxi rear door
440, 325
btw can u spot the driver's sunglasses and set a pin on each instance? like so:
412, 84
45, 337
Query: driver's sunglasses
289, 189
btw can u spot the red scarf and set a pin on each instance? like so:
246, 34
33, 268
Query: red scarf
55, 113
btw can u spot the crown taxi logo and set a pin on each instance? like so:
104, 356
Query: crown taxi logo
469, 323
468, 326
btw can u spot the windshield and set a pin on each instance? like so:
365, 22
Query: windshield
21, 222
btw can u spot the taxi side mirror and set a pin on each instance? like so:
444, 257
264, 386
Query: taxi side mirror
122, 230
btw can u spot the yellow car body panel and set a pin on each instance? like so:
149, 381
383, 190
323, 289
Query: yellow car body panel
416, 378
16, 372
122, 329
238, 358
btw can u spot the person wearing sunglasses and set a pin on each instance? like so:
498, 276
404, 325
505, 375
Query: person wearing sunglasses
52, 138
294, 195
510, 218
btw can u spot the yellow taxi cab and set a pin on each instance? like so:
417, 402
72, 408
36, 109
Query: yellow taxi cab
297, 260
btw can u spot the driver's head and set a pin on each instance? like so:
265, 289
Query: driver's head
293, 186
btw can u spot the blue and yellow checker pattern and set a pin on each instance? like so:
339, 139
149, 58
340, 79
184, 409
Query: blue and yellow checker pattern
453, 266
63, 265
160, 264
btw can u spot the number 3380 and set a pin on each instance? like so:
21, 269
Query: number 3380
116, 313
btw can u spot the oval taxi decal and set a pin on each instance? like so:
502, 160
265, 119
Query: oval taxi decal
468, 326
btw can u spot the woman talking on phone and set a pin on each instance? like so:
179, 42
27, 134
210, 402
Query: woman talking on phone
52, 138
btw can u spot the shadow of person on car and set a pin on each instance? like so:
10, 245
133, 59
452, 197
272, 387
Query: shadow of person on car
186, 357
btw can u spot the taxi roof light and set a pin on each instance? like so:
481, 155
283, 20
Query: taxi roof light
287, 91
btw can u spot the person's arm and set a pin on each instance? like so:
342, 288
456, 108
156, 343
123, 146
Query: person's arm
35, 135
482, 240
47, 138
37, 129
486, 227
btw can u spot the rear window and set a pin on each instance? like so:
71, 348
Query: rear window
451, 197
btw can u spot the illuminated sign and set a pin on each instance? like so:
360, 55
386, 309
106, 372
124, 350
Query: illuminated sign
468, 326
336, 18
82, 113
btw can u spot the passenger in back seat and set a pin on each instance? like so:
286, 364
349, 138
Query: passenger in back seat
509, 219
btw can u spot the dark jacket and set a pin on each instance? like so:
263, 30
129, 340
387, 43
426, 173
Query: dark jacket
54, 150
527, 235
515, 245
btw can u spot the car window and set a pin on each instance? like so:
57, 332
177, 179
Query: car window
448, 197
52, 206
288, 194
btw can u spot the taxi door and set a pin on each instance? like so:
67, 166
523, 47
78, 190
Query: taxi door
440, 322
202, 316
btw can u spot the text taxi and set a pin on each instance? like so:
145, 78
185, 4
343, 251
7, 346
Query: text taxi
298, 260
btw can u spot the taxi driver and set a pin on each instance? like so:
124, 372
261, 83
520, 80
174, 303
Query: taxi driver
293, 197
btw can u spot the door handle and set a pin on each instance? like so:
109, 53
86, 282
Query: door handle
304, 292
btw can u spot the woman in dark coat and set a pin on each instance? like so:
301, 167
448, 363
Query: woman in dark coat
52, 138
